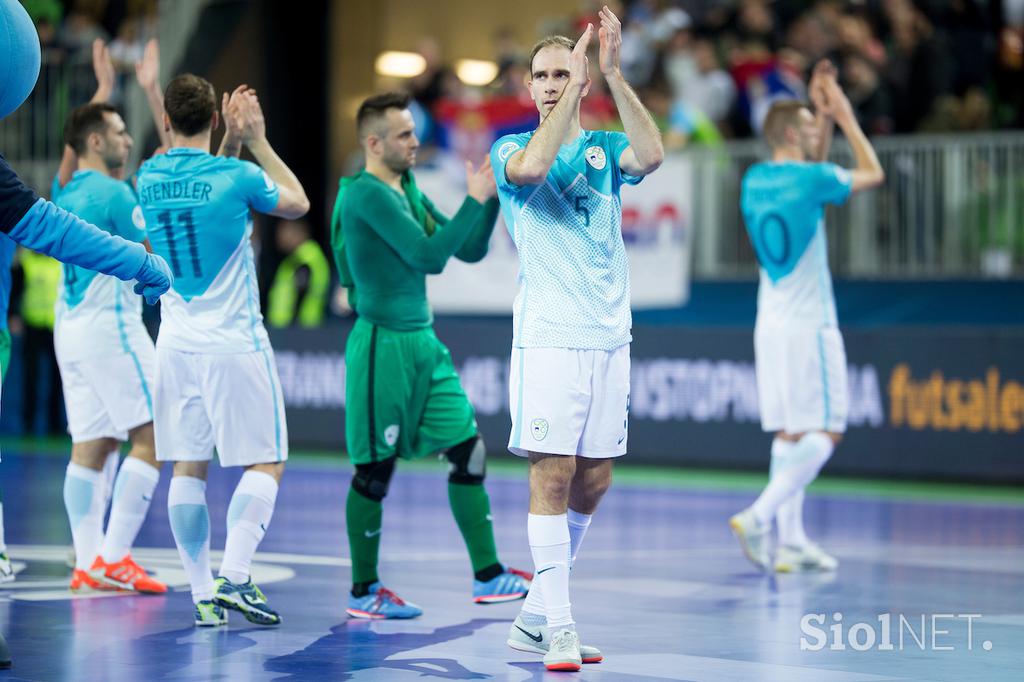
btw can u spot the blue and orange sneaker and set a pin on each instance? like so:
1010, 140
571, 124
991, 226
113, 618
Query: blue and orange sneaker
510, 585
381, 603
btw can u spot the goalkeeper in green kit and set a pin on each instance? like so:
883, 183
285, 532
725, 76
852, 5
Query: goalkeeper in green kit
403, 397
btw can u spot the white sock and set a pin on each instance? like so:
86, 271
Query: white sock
190, 523
549, 544
249, 514
792, 472
790, 518
83, 500
110, 465
578, 524
133, 492
3, 545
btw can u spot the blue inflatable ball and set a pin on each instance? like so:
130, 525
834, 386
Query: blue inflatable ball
19, 56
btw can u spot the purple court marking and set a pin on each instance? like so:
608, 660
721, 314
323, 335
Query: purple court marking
660, 586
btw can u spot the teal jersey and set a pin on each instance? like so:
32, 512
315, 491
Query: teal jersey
573, 270
96, 314
783, 206
198, 210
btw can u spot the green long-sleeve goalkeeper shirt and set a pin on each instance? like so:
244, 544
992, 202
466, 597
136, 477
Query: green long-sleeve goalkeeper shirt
389, 252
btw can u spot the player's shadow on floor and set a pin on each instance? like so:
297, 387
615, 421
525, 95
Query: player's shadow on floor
174, 650
353, 646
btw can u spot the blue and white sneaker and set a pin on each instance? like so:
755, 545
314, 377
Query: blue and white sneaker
510, 585
247, 599
381, 603
210, 615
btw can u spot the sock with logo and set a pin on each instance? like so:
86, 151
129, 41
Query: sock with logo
533, 607
471, 508
249, 514
549, 544
83, 499
792, 471
363, 518
190, 524
133, 492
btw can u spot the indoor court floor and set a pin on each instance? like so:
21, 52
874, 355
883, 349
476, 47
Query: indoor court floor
660, 585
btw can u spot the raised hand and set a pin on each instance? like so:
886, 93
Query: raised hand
610, 37
480, 181
579, 66
103, 67
838, 104
253, 125
824, 70
230, 105
147, 71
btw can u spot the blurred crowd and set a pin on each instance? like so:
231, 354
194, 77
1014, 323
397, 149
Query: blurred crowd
68, 28
710, 69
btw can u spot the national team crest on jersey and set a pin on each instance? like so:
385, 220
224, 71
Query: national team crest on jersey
596, 157
391, 435
505, 150
539, 429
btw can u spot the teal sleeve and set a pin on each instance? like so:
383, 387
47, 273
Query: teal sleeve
126, 214
257, 188
617, 144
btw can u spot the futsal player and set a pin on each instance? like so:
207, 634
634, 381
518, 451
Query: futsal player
106, 362
216, 381
559, 188
799, 353
403, 396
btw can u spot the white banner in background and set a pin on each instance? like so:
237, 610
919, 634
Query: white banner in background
656, 226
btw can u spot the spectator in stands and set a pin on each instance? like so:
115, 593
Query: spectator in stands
867, 94
299, 292
39, 278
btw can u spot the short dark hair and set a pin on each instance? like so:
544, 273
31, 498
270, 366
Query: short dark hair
374, 108
83, 122
190, 102
782, 114
548, 41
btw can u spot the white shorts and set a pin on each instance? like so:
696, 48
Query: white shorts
229, 401
801, 379
566, 401
108, 396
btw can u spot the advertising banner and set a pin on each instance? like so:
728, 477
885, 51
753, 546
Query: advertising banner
924, 402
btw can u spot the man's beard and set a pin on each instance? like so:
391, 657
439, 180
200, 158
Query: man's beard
397, 164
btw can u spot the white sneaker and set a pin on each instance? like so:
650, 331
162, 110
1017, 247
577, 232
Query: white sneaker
755, 539
564, 652
808, 557
6, 570
536, 639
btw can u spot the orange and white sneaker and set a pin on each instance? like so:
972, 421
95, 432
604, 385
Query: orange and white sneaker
87, 580
126, 575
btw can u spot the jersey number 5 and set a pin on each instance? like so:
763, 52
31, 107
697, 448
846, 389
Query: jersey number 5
583, 210
167, 220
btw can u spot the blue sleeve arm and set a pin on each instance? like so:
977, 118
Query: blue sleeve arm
51, 230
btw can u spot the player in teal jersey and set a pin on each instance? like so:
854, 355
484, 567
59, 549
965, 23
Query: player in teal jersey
799, 352
569, 387
106, 362
216, 380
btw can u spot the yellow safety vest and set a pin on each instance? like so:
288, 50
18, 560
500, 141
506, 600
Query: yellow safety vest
281, 302
42, 277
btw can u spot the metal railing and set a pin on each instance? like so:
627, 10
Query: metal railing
952, 206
